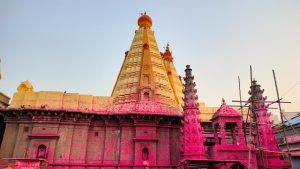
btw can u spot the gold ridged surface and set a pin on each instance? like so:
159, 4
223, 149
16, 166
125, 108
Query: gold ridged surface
175, 81
143, 68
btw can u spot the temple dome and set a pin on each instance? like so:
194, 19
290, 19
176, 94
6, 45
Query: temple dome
25, 86
145, 21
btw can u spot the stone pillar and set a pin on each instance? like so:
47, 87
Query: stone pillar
216, 136
79, 145
111, 148
95, 144
127, 146
21, 146
63, 144
9, 140
175, 145
163, 149
234, 141
241, 134
223, 133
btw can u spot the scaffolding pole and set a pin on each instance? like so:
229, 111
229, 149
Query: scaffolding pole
243, 123
250, 132
281, 116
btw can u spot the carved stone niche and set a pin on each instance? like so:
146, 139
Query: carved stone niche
146, 94
39, 149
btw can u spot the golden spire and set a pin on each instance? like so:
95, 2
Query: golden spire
143, 76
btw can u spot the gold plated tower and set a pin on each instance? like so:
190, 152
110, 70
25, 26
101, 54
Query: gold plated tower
144, 75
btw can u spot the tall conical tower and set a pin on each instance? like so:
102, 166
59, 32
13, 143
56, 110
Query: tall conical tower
192, 141
265, 141
143, 76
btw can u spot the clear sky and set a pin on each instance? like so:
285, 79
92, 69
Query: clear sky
78, 46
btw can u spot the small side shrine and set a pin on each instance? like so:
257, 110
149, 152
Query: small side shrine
227, 126
229, 139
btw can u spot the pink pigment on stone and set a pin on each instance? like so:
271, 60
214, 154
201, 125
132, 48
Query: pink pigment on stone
145, 134
267, 154
192, 140
226, 122
100, 134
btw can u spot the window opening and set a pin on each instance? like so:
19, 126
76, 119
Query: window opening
147, 96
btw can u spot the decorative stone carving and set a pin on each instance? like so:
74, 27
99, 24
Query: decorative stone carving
265, 141
192, 141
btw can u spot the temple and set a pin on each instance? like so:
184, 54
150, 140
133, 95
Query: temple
151, 120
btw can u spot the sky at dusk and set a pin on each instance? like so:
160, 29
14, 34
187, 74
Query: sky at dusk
78, 46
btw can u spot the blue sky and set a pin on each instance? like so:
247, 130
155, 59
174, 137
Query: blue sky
78, 46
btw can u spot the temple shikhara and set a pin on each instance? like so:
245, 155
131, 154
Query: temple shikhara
152, 119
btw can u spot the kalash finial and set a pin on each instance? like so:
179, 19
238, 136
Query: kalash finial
168, 47
145, 21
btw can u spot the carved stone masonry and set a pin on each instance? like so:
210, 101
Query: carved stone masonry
266, 141
192, 140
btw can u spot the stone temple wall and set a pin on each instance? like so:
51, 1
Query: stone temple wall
75, 140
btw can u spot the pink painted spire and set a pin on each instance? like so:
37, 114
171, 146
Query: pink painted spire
265, 141
192, 141
261, 116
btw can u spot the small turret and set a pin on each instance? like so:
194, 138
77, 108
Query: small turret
167, 55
